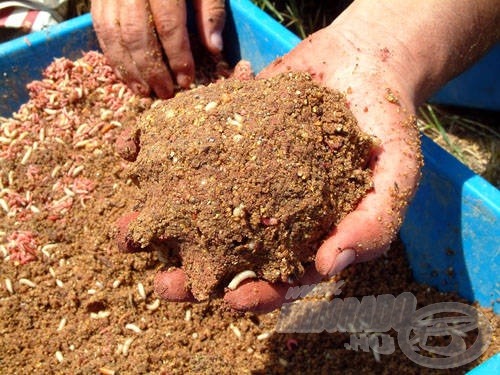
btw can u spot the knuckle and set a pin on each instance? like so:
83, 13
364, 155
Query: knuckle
167, 25
102, 28
216, 5
131, 34
216, 13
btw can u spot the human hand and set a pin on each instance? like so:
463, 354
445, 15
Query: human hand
134, 36
171, 284
382, 100
384, 66
384, 106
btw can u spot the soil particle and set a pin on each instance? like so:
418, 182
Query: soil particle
247, 175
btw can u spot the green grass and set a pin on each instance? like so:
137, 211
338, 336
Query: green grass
475, 143
431, 124
302, 17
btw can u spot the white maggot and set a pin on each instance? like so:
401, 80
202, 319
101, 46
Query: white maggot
239, 278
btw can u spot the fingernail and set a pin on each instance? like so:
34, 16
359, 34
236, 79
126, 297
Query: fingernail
342, 260
216, 41
183, 80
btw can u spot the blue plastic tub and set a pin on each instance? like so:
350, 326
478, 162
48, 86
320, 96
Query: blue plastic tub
453, 222
478, 87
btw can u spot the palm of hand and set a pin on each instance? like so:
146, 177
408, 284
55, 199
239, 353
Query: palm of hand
384, 108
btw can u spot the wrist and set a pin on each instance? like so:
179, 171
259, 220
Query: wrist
421, 44
377, 56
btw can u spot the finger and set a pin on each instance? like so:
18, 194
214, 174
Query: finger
211, 16
139, 36
170, 22
276, 67
123, 241
360, 236
258, 296
262, 297
368, 231
299, 58
171, 285
243, 71
282, 65
106, 20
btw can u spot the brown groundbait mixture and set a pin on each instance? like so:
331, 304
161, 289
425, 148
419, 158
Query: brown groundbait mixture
247, 175
70, 303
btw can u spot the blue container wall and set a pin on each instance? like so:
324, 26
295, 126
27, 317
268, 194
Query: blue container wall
22, 59
478, 87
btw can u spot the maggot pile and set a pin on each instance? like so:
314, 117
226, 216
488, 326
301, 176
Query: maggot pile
246, 175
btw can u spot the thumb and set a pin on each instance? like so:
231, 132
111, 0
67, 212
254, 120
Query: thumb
362, 235
368, 231
210, 17
276, 67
